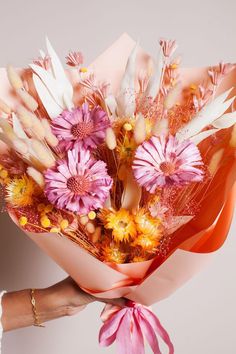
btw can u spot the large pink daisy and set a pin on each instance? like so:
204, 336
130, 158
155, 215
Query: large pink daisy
81, 126
78, 183
164, 160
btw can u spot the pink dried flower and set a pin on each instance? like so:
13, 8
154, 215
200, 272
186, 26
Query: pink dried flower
43, 62
215, 76
81, 126
202, 97
163, 161
225, 68
74, 59
78, 183
143, 79
168, 47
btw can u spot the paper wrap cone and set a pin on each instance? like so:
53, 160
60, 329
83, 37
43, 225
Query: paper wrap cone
147, 282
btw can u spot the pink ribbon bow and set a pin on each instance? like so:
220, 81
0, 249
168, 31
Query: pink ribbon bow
129, 325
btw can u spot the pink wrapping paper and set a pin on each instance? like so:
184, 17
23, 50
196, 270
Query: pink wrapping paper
131, 280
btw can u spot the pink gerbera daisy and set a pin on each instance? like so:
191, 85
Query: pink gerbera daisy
81, 126
78, 183
164, 160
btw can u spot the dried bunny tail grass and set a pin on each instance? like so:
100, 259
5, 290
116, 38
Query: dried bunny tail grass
90, 227
5, 139
140, 129
36, 176
110, 138
37, 129
232, 141
27, 99
20, 147
215, 161
9, 137
25, 117
31, 122
43, 154
84, 220
97, 234
5, 125
14, 78
172, 96
160, 127
4, 107
49, 136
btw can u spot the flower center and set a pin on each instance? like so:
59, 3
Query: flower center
78, 184
122, 224
82, 129
168, 168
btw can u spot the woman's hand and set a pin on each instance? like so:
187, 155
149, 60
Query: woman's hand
68, 295
62, 299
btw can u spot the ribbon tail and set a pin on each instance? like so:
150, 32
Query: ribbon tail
123, 336
137, 337
108, 332
156, 324
149, 333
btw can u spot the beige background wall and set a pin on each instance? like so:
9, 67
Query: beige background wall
201, 316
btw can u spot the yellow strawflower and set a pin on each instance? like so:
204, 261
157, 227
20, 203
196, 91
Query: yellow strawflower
126, 147
147, 242
146, 224
122, 225
20, 191
112, 253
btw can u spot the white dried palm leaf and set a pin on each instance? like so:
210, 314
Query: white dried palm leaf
112, 105
42, 53
55, 89
126, 97
51, 106
206, 116
59, 71
196, 139
153, 86
226, 121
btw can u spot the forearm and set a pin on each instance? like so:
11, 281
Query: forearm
17, 308
62, 299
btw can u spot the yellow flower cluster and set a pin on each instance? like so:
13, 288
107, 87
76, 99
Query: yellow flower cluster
140, 228
45, 221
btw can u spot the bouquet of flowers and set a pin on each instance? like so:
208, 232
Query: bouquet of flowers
126, 184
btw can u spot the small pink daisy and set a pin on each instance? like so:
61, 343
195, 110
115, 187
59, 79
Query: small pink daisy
78, 183
81, 126
163, 161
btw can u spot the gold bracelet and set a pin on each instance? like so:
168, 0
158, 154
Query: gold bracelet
33, 303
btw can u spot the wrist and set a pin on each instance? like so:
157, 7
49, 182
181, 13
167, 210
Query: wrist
49, 304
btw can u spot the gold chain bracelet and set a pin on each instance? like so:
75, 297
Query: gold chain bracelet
33, 302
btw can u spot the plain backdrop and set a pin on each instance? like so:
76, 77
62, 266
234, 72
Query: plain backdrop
200, 316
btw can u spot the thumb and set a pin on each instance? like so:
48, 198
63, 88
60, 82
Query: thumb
117, 302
